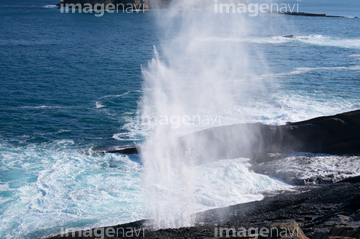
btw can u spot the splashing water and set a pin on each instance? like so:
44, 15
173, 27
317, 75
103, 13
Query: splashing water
190, 78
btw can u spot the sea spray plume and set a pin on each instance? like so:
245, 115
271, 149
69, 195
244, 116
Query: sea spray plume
167, 177
193, 75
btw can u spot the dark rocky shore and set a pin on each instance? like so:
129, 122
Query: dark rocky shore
320, 211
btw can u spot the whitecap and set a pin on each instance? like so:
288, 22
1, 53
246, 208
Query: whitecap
355, 56
98, 105
256, 40
62, 131
51, 6
115, 96
303, 70
325, 41
127, 136
42, 107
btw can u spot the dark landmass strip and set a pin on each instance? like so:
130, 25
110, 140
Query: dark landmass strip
130, 150
306, 14
320, 212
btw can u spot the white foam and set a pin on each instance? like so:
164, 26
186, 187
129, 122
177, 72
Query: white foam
126, 136
51, 6
324, 41
355, 56
343, 43
254, 40
307, 39
53, 187
62, 131
42, 107
303, 70
98, 105
306, 166
4, 186
229, 182
115, 96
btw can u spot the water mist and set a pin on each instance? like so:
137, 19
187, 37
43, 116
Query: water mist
198, 72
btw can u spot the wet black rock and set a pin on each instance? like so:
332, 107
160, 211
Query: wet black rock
306, 14
338, 134
130, 150
351, 180
322, 212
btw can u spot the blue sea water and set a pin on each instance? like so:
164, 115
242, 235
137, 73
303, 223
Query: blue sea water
71, 84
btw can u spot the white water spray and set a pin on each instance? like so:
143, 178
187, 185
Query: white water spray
191, 76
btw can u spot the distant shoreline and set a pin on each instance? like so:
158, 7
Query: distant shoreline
305, 14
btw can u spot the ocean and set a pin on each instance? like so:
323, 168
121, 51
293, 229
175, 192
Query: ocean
74, 84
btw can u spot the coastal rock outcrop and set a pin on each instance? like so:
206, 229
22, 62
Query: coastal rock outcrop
321, 212
337, 134
280, 151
